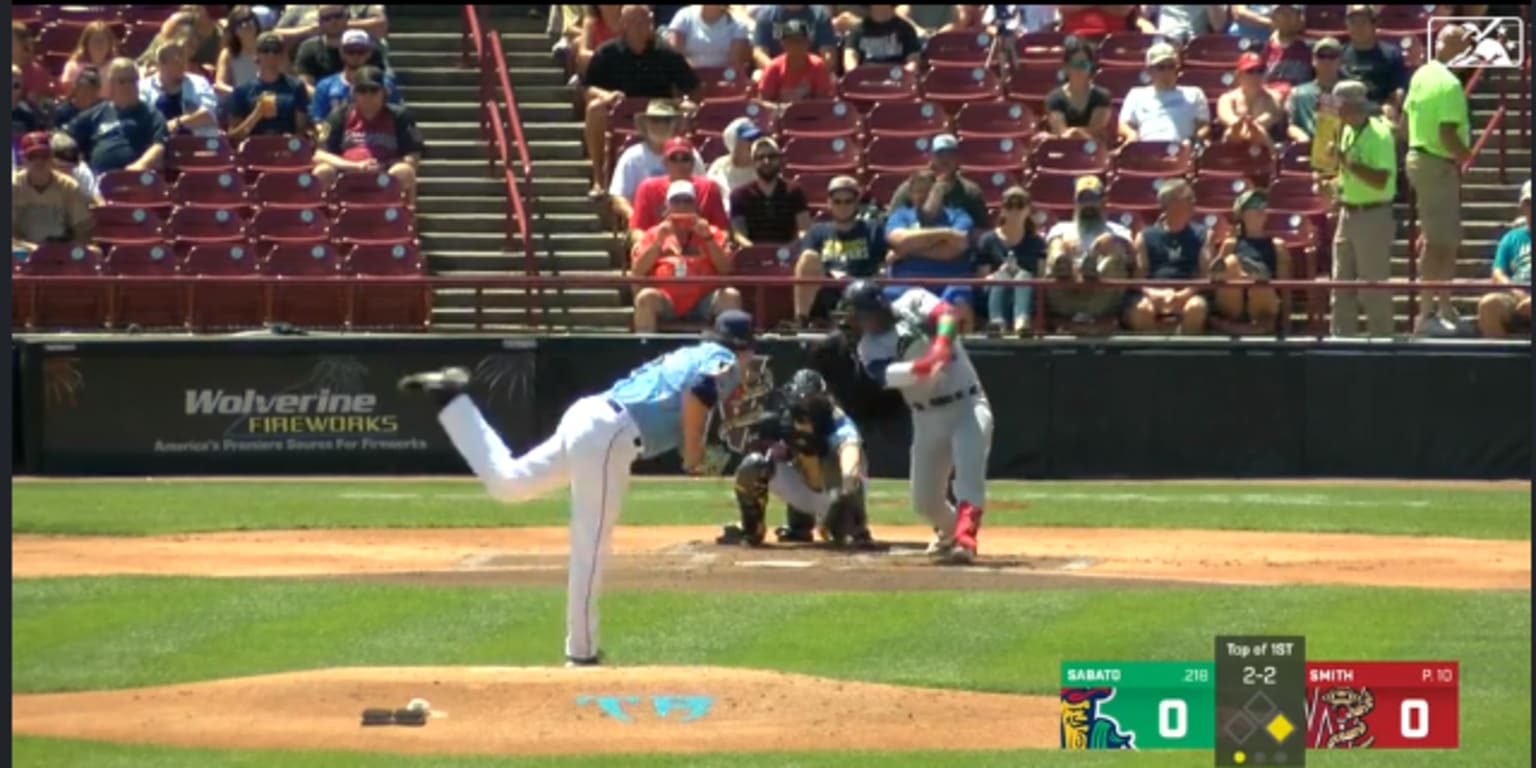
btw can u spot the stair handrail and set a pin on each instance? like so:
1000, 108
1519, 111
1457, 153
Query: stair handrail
514, 120
516, 212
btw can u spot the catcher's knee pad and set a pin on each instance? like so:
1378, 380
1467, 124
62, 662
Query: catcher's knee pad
752, 478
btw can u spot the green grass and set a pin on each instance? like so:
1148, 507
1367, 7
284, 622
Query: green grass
141, 507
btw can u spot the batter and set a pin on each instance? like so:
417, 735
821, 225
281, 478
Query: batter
659, 407
910, 345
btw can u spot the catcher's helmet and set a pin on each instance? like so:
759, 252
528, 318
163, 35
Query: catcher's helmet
805, 384
866, 303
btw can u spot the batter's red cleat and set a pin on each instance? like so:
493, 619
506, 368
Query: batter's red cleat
967, 526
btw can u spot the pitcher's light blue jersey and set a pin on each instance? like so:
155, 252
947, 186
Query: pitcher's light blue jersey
653, 393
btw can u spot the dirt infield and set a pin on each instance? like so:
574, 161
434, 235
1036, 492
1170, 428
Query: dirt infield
686, 558
538, 711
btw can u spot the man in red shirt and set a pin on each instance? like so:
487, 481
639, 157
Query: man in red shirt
371, 136
796, 74
684, 244
651, 196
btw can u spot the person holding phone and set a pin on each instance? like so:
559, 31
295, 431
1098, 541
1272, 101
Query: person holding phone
684, 244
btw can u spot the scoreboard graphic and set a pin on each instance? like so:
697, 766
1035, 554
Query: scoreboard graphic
1383, 705
1137, 704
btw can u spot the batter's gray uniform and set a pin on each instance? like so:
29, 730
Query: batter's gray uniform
951, 418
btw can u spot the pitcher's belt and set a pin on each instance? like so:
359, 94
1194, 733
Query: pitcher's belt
943, 400
619, 410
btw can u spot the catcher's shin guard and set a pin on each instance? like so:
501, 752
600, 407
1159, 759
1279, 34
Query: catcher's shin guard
967, 525
848, 522
752, 496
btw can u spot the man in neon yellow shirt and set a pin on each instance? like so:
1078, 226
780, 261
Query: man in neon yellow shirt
1367, 182
1438, 140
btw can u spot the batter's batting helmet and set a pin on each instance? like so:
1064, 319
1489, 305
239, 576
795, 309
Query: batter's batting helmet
866, 303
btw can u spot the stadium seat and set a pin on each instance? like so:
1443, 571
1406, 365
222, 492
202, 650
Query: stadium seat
1228, 160
1136, 194
321, 306
950, 87
291, 225
55, 44
820, 117
1325, 21
1296, 160
289, 189
387, 306
821, 153
988, 155
1053, 196
267, 153
899, 154
146, 306
1119, 82
1217, 52
1042, 47
995, 120
374, 226
958, 49
78, 16
1215, 195
149, 15
994, 184
814, 185
135, 188
184, 153
136, 40
711, 148
1157, 159
1213, 83
1133, 219
769, 305
241, 305
1294, 194
114, 225
1030, 82
62, 306
870, 84
621, 116
1125, 50
906, 118
200, 226
882, 186
1401, 20
1070, 157
722, 84
371, 190
712, 117
210, 189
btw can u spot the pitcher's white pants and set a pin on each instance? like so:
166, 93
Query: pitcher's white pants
592, 451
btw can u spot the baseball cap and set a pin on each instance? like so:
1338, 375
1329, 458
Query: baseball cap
1351, 92
660, 108
1358, 9
1015, 191
36, 142
746, 129
1251, 198
1328, 44
1088, 185
794, 28
764, 143
943, 142
849, 183
1250, 62
269, 42
1161, 52
733, 328
1525, 191
356, 38
681, 188
676, 144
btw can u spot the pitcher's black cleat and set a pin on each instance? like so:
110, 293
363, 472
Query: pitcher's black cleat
442, 386
590, 661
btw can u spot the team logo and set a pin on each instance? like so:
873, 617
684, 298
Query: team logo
1083, 726
1492, 43
1340, 713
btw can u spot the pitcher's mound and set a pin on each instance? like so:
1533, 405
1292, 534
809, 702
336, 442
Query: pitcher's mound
525, 711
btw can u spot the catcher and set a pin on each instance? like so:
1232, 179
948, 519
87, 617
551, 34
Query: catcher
808, 453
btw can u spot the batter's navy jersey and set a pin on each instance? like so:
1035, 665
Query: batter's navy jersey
653, 393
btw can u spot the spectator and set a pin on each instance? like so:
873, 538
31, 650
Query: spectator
97, 48
24, 117
735, 167
1501, 312
1012, 251
565, 25
371, 135
1302, 104
237, 62
927, 19
178, 28
1438, 144
1362, 241
1083, 250
321, 56
1379, 65
1288, 53
301, 22
336, 90
646, 158
1021, 19
186, 100
651, 196
1095, 20
273, 102
46, 205
769, 209
968, 18
684, 244
1178, 23
1249, 113
959, 191
1249, 253
882, 38
766, 37
206, 39
927, 238
844, 245
1165, 110
66, 158
1170, 249
37, 83
796, 74
709, 36
87, 93
632, 65
1252, 22
600, 25
1078, 108
121, 133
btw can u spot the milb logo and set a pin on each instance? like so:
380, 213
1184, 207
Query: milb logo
1492, 43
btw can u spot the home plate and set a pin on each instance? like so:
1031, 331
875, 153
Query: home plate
776, 563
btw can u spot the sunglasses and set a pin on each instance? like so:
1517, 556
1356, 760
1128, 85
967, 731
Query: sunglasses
680, 201
333, 16
767, 156
1081, 64
680, 158
245, 21
357, 51
1326, 55
1015, 204
367, 89
843, 199
272, 49
1163, 66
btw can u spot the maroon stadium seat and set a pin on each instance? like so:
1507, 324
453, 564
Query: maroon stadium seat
126, 226
136, 40
226, 306
1296, 160
210, 189
1125, 50
870, 84
291, 225
369, 190
711, 148
184, 153
147, 306
1401, 20
770, 305
1158, 159
882, 187
621, 116
1053, 195
814, 185
374, 226
200, 226
306, 305
1294, 194
958, 49
1215, 195
80, 15
63, 306
1229, 160
1119, 82
988, 155
1070, 157
901, 154
994, 184
381, 306
1029, 82
722, 83
820, 117
1217, 52
54, 45
1044, 47
952, 86
821, 153
149, 14
289, 189
1210, 81
1137, 194
995, 119
906, 118
712, 117
1325, 21
135, 188
266, 153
